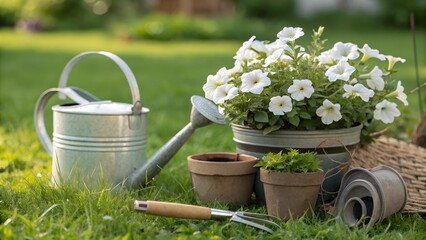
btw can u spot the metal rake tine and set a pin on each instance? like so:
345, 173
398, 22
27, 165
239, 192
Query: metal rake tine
255, 220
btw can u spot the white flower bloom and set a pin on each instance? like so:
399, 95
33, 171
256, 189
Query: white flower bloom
386, 111
224, 92
345, 51
273, 58
246, 56
358, 91
39, 175
215, 81
301, 89
254, 81
275, 45
370, 53
259, 46
329, 112
236, 69
375, 80
342, 70
280, 105
401, 95
392, 60
325, 58
244, 53
289, 34
246, 45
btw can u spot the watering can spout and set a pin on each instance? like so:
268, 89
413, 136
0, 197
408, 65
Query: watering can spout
203, 113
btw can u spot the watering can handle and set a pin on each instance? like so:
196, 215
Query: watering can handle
74, 94
137, 105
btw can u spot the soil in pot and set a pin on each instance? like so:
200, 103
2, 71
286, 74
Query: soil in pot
290, 195
225, 177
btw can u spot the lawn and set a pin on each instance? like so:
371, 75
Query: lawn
168, 74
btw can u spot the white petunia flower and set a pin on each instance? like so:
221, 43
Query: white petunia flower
344, 51
280, 105
358, 91
370, 53
224, 92
342, 70
392, 60
400, 95
329, 112
275, 45
236, 69
259, 46
386, 111
325, 58
274, 57
254, 81
244, 53
246, 45
215, 81
375, 80
289, 34
301, 89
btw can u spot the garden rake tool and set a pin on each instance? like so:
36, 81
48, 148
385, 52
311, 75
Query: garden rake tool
177, 210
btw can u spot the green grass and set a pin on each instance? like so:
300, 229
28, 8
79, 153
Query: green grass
168, 73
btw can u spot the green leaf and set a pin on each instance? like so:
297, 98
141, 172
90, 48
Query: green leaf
271, 129
292, 113
312, 102
273, 119
305, 115
294, 120
261, 117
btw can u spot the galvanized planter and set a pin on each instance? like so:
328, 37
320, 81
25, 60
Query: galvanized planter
334, 148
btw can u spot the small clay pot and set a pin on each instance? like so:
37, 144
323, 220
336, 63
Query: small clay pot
290, 195
225, 177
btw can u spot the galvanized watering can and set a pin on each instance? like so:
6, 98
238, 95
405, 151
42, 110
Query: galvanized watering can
94, 139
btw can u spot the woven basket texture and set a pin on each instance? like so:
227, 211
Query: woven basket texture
408, 159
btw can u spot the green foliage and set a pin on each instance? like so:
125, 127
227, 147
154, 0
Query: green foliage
34, 15
397, 12
291, 162
175, 27
267, 9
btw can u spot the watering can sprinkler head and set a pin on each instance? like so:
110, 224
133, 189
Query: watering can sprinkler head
203, 113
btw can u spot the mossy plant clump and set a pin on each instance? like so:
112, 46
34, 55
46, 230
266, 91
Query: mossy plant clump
292, 162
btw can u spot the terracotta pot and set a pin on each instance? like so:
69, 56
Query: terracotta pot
290, 195
225, 177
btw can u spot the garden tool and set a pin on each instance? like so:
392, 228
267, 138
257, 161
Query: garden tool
105, 140
178, 210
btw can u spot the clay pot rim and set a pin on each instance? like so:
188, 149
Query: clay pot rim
244, 158
233, 168
266, 178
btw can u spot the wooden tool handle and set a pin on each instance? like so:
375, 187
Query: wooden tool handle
177, 210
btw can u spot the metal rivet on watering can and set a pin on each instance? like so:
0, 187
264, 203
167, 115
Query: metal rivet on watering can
369, 196
94, 136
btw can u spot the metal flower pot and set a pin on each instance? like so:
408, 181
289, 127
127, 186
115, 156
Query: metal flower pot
334, 148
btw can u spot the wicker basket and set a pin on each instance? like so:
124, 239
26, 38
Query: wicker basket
408, 159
